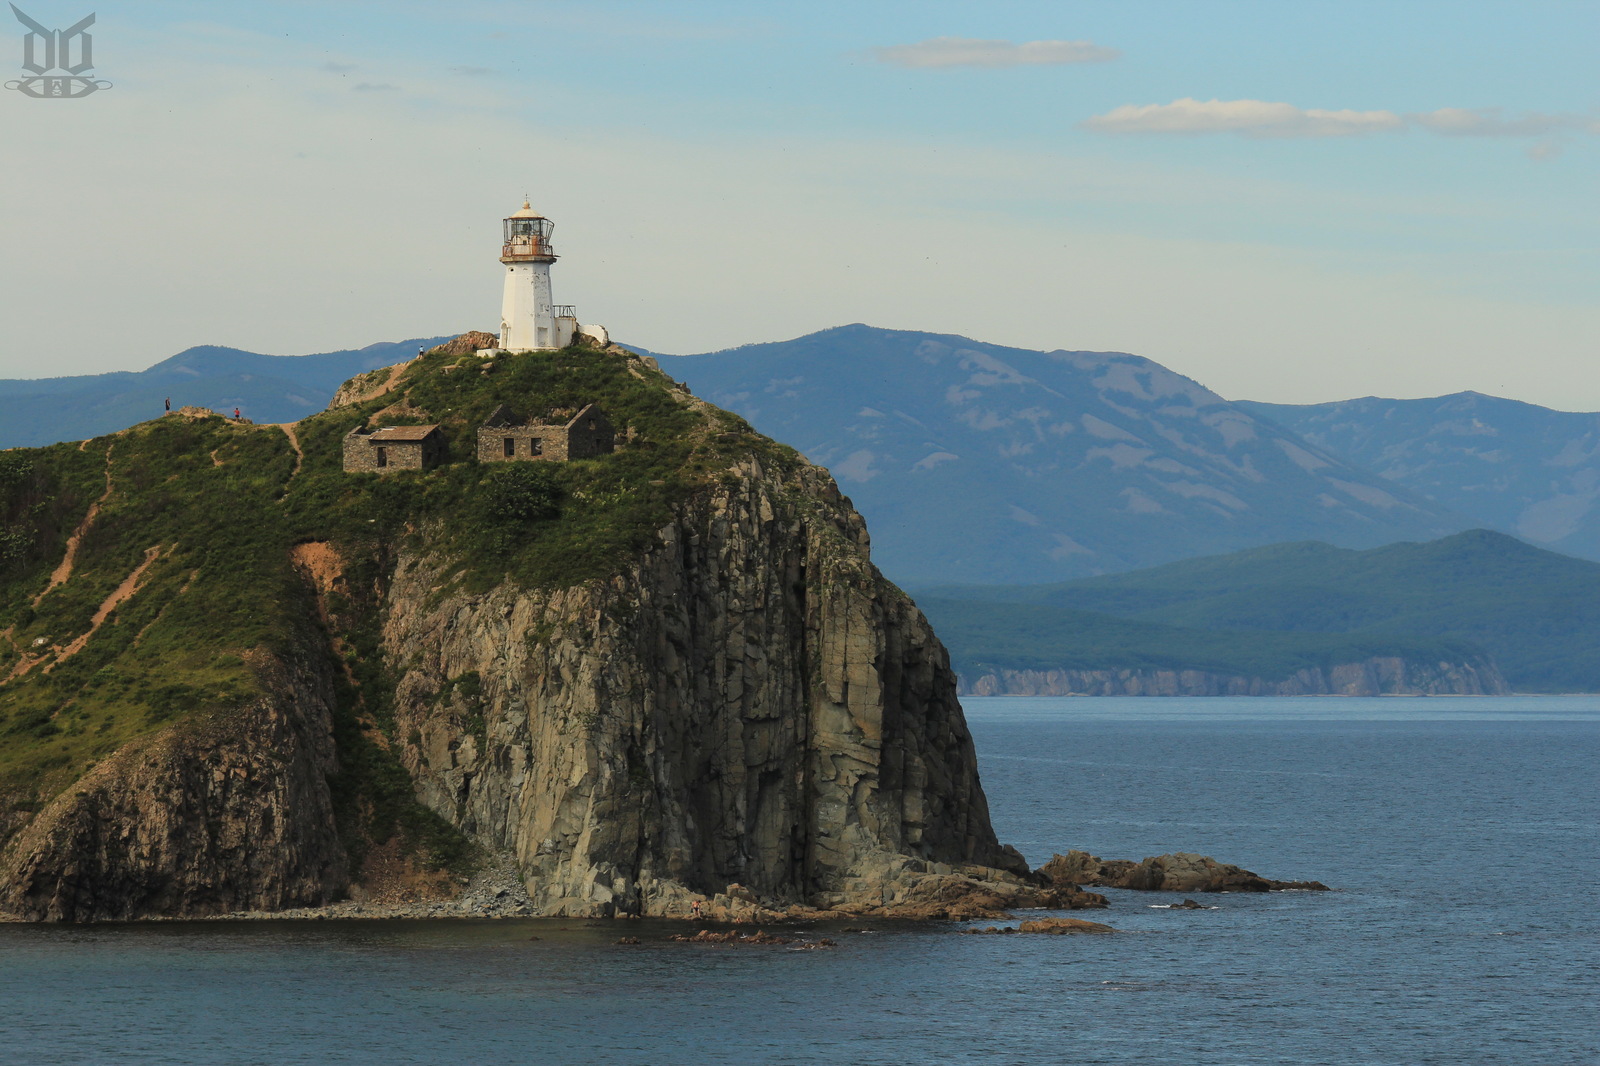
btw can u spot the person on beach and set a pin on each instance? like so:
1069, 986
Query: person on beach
694, 910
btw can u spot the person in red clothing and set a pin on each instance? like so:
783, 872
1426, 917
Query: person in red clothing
236, 414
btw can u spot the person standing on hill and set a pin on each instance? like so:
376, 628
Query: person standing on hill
169, 403
236, 415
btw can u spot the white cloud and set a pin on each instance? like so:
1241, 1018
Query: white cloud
941, 52
1493, 122
1261, 118
1252, 118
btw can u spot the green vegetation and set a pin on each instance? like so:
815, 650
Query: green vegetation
211, 510
1025, 636
1535, 612
545, 526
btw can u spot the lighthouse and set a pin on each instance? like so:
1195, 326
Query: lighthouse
529, 318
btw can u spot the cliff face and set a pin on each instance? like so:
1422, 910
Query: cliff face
750, 703
1382, 676
719, 697
228, 812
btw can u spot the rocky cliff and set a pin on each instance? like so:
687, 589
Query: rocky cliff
1380, 676
748, 702
664, 675
224, 812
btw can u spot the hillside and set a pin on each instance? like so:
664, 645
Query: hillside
981, 463
1514, 466
233, 676
269, 388
1058, 465
1536, 613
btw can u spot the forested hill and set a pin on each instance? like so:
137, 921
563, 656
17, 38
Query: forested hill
1537, 613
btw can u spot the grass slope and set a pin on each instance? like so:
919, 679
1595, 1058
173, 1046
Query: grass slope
1536, 612
218, 506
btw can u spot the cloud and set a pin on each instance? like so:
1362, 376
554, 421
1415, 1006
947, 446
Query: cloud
1252, 118
373, 87
472, 72
942, 52
1493, 122
1260, 118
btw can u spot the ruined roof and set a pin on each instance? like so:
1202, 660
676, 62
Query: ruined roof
402, 433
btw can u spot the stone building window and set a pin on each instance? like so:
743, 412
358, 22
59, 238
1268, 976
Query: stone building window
511, 447
383, 457
535, 446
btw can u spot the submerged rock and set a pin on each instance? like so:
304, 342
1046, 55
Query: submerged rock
1048, 926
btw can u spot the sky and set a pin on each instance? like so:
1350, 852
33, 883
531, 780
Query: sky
1291, 202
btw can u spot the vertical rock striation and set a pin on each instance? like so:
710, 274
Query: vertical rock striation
750, 703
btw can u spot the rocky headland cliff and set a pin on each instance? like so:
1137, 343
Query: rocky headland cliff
234, 677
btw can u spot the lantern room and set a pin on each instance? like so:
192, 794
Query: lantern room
526, 237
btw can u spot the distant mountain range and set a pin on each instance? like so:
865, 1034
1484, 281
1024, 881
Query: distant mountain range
1514, 466
1535, 612
268, 388
979, 463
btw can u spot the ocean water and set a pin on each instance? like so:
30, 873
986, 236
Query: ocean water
1460, 836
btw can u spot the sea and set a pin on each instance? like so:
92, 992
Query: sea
1460, 837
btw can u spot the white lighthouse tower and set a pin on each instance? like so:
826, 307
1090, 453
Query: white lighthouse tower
529, 317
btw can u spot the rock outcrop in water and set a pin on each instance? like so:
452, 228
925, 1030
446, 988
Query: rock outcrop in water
1176, 872
699, 688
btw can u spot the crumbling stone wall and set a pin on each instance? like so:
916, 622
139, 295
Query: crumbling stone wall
527, 443
362, 454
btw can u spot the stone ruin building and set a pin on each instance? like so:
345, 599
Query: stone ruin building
380, 451
555, 437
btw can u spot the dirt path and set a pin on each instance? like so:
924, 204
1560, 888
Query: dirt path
374, 391
63, 570
294, 442
121, 594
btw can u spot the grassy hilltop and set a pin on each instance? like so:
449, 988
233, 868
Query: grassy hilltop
180, 569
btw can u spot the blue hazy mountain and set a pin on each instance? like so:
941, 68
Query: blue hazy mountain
1515, 466
268, 388
975, 462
